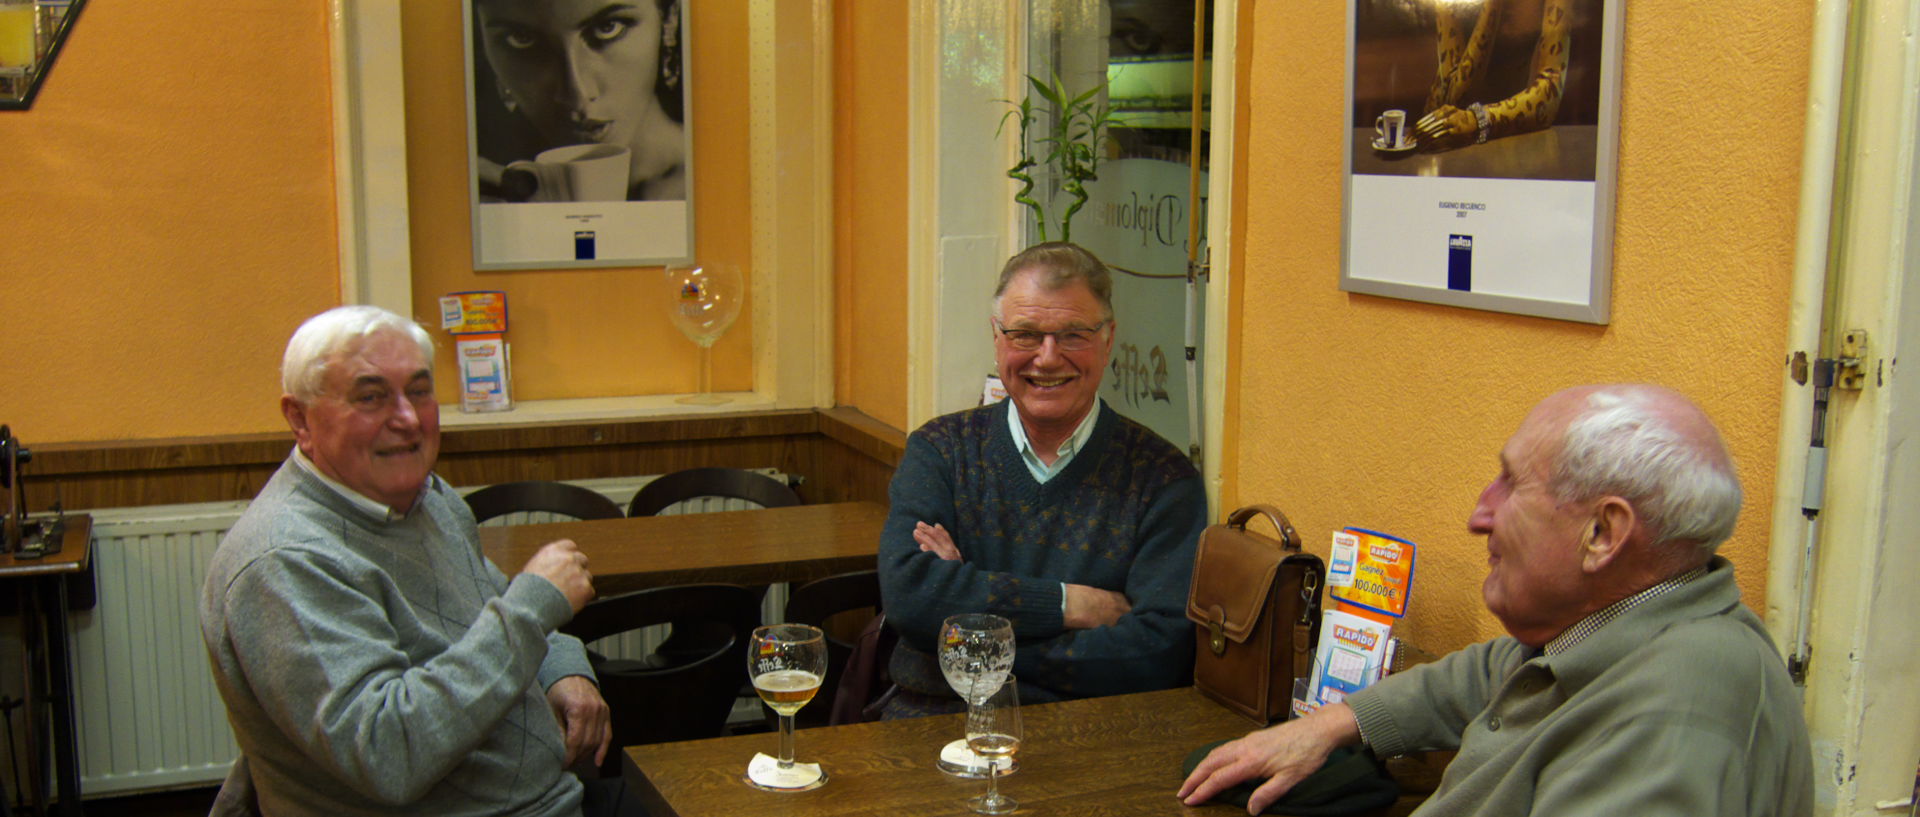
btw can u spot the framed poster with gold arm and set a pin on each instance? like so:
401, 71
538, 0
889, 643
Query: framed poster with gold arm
1480, 153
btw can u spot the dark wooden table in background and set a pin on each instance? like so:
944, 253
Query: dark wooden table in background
42, 587
1119, 755
754, 547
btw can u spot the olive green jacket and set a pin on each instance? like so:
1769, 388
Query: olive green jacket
1681, 706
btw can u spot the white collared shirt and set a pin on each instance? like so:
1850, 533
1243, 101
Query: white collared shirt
1068, 447
378, 509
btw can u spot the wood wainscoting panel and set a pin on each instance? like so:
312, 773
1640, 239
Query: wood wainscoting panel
840, 454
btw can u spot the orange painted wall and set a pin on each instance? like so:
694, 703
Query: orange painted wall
870, 209
587, 332
1702, 258
165, 205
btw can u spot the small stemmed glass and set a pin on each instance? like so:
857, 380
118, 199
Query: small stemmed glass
786, 663
994, 733
706, 300
973, 647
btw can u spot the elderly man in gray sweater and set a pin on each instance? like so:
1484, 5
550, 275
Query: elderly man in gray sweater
372, 661
1632, 681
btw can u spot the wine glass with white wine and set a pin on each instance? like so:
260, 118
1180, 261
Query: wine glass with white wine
972, 647
705, 301
786, 663
994, 733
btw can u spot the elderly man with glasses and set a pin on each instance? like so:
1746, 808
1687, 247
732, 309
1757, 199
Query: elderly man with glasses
1049, 509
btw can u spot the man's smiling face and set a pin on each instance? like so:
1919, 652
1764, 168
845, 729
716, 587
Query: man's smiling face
1053, 388
375, 427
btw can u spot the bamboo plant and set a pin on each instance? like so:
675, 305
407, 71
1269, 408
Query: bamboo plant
1070, 146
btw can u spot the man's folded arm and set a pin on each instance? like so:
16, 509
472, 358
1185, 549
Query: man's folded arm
921, 589
1151, 647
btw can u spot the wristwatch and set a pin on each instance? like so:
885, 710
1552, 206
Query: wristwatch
1480, 115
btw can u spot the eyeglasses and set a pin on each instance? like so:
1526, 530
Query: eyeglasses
1070, 340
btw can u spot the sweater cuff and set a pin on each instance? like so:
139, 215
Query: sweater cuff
543, 601
1377, 727
1038, 608
565, 656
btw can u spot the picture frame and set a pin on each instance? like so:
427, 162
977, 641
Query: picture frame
1498, 190
579, 134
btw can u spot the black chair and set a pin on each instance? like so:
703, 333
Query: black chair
733, 483
815, 602
552, 497
685, 691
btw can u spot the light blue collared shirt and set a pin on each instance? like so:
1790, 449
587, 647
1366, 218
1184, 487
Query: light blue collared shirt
1068, 447
379, 510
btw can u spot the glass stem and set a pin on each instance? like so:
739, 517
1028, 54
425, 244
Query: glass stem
706, 368
786, 741
993, 780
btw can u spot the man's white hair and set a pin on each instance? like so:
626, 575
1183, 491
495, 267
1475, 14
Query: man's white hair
328, 335
1637, 442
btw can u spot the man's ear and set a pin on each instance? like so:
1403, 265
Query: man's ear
296, 414
1607, 534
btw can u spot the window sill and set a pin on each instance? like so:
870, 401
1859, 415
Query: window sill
533, 412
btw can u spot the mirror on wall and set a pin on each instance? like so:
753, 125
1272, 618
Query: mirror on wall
31, 33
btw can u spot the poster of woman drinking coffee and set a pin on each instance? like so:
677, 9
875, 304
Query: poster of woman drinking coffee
1481, 152
580, 135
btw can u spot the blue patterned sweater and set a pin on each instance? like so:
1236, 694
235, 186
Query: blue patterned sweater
1123, 516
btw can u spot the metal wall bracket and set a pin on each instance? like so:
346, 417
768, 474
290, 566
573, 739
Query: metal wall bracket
1851, 373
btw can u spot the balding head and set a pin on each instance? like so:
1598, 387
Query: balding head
1654, 448
1603, 491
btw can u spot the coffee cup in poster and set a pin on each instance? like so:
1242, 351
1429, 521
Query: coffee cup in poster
589, 172
1390, 129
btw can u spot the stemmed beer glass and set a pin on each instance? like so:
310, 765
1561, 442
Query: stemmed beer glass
994, 733
706, 299
786, 663
976, 652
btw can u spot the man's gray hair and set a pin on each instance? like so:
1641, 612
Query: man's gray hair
326, 336
1636, 442
1057, 264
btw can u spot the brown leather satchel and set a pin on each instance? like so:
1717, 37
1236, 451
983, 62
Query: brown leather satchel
1256, 606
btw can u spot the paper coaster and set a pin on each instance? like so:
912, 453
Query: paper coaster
765, 771
958, 757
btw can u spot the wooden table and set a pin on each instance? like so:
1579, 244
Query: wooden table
754, 547
1119, 755
42, 583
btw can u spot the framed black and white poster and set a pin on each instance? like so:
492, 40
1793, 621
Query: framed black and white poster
1481, 152
580, 133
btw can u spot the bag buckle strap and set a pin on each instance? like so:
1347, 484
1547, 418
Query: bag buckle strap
1216, 632
1309, 590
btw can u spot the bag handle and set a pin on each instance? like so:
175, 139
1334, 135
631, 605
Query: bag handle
1289, 540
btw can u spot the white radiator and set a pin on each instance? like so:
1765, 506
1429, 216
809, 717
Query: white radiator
149, 716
